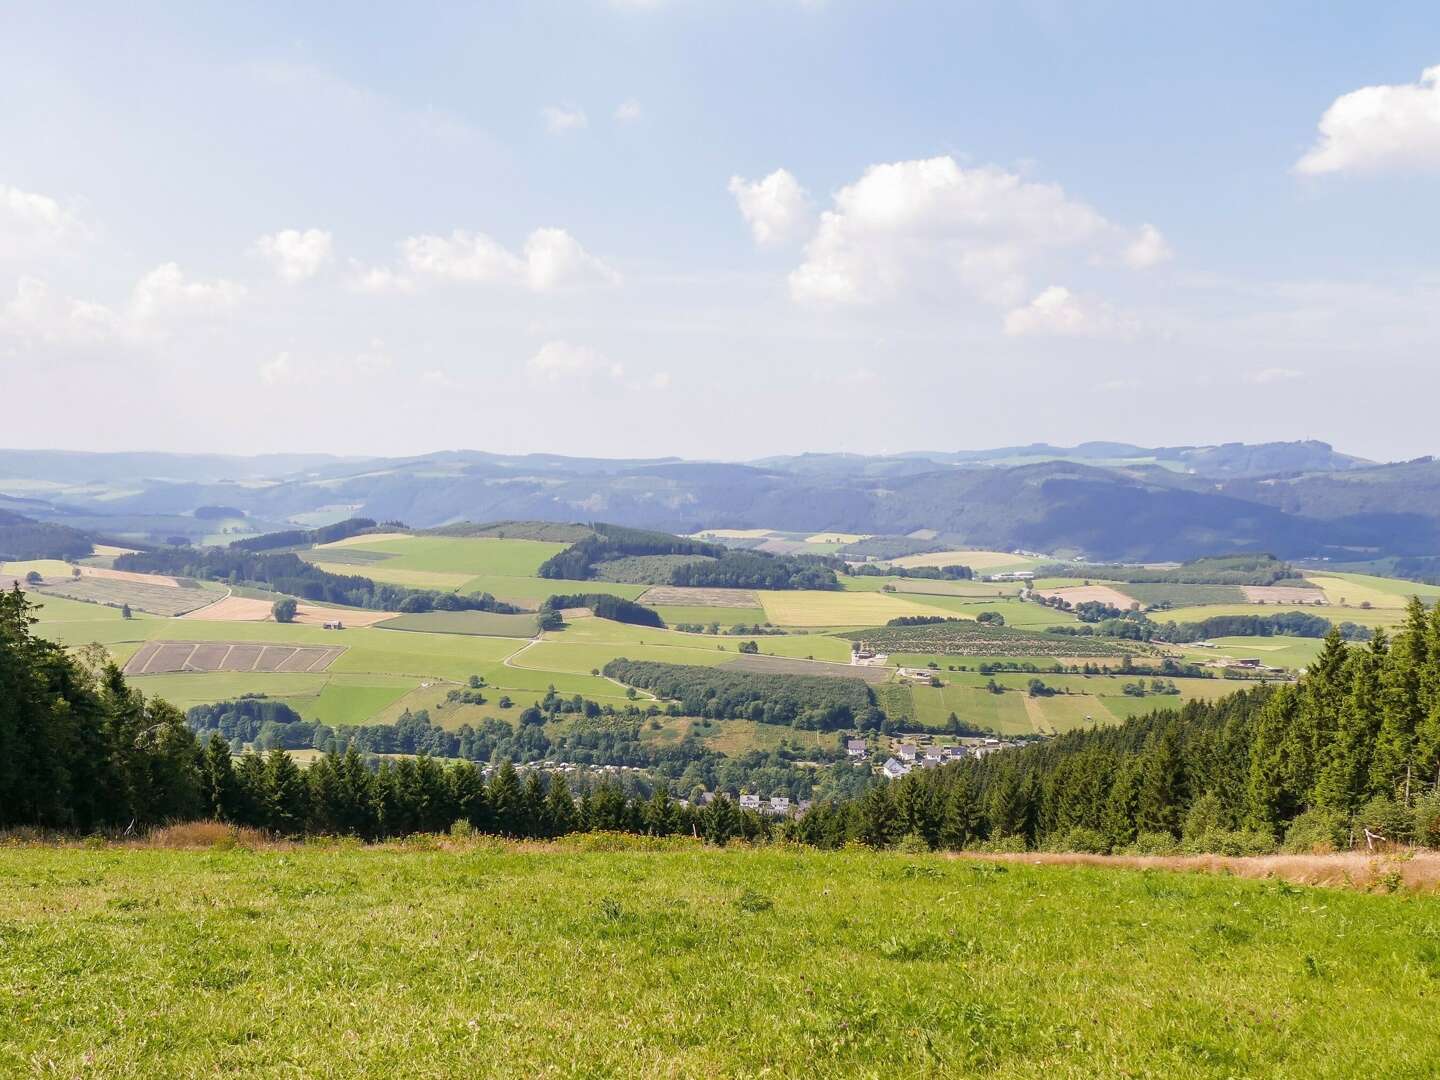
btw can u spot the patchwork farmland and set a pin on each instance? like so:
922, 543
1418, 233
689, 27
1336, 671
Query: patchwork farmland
204, 645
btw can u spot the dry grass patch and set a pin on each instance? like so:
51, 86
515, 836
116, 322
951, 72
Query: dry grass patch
1282, 594
1414, 869
1082, 594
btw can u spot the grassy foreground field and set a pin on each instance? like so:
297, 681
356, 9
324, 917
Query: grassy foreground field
490, 960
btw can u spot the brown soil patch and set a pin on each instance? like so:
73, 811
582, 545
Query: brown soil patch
1282, 594
685, 596
1081, 594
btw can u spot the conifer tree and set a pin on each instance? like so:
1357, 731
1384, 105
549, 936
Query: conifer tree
284, 794
221, 789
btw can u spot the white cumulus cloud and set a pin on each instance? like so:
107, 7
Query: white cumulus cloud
936, 226
627, 112
1058, 312
1148, 249
166, 290
1377, 128
551, 259
279, 369
562, 118
296, 255
377, 279
775, 208
556, 361
31, 223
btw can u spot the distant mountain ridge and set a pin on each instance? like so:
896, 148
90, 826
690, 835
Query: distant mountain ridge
1101, 500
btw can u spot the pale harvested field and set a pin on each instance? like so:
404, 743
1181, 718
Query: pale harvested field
362, 540
110, 552
837, 538
316, 615
1282, 594
128, 575
164, 657
976, 560
247, 609
806, 608
685, 596
1082, 594
232, 609
733, 534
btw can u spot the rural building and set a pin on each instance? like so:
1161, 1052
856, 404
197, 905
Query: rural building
856, 748
335, 625
779, 804
894, 769
749, 802
906, 751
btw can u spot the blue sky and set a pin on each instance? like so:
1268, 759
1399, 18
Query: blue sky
564, 226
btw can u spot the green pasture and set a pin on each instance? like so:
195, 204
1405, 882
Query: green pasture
704, 616
481, 623
531, 591
590, 958
471, 556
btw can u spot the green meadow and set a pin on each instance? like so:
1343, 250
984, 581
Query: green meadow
588, 959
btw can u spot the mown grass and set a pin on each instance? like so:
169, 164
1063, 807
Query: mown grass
483, 960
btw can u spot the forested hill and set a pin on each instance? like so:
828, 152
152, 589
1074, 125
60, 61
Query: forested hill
1106, 501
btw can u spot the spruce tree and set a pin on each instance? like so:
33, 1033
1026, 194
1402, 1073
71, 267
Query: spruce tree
560, 815
1343, 783
504, 796
284, 794
222, 790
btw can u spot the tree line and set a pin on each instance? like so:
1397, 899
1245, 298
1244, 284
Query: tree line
606, 606
807, 702
291, 538
1255, 569
286, 572
22, 538
715, 566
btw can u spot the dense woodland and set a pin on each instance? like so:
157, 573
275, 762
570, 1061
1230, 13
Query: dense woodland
1102, 620
287, 573
22, 538
711, 565
605, 606
809, 702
